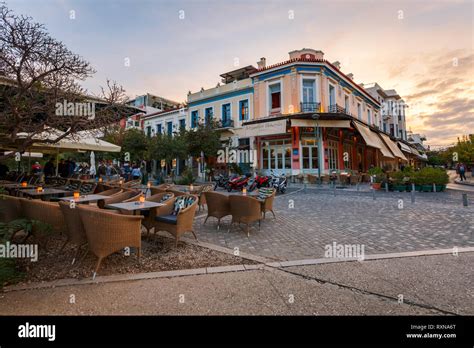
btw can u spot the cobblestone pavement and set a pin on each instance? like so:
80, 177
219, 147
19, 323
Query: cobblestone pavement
307, 222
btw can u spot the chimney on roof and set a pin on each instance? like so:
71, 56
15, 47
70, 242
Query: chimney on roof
351, 76
262, 63
337, 64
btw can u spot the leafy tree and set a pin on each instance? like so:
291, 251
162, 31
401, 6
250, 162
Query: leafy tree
165, 147
135, 143
38, 73
205, 139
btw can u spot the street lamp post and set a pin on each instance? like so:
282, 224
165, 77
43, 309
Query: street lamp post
315, 117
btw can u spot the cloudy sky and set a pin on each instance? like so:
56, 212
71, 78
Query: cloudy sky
423, 49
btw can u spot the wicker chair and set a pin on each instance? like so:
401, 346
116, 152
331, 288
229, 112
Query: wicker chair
325, 179
46, 212
267, 204
160, 188
202, 197
87, 188
126, 196
149, 215
177, 193
218, 206
75, 233
245, 210
178, 224
312, 179
10, 208
108, 232
73, 185
131, 183
111, 192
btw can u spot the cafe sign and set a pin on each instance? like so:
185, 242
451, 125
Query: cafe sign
264, 128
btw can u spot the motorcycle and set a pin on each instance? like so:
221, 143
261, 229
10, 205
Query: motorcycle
238, 183
279, 183
258, 182
222, 180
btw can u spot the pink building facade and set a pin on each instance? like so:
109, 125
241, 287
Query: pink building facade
309, 117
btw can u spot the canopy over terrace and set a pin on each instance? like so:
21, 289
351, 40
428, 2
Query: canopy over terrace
80, 141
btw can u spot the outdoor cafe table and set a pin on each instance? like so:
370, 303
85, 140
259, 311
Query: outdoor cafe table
134, 206
17, 186
46, 192
84, 198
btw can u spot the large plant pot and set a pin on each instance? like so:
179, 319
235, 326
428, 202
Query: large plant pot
440, 188
418, 188
376, 185
427, 188
399, 188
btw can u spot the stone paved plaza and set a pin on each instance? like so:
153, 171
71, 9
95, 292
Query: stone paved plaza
307, 222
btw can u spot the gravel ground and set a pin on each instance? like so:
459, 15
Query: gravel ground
158, 254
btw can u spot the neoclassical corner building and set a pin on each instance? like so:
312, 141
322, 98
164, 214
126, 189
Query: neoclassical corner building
304, 115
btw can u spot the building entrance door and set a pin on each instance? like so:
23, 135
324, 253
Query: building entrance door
309, 153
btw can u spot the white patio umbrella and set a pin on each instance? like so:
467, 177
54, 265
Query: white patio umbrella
92, 170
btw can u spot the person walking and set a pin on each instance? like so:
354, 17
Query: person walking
136, 172
462, 171
49, 169
36, 168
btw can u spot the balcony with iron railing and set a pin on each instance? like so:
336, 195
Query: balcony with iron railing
336, 109
225, 123
310, 107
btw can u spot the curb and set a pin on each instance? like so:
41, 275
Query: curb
466, 183
225, 269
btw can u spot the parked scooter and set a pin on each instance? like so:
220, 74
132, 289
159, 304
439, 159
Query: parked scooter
258, 182
280, 183
222, 180
238, 183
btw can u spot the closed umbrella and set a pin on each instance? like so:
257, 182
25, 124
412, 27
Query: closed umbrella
92, 170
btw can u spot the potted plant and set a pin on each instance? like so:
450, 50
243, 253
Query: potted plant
440, 179
399, 181
378, 177
418, 179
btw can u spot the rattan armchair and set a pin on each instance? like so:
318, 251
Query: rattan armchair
87, 188
111, 192
75, 233
47, 213
245, 210
108, 232
267, 204
177, 193
149, 215
178, 224
10, 208
202, 197
131, 183
125, 196
218, 206
160, 188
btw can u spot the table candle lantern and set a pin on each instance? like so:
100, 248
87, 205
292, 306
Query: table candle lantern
76, 194
191, 188
244, 191
142, 199
24, 184
148, 184
100, 179
39, 189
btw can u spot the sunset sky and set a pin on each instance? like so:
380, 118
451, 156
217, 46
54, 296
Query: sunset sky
423, 49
